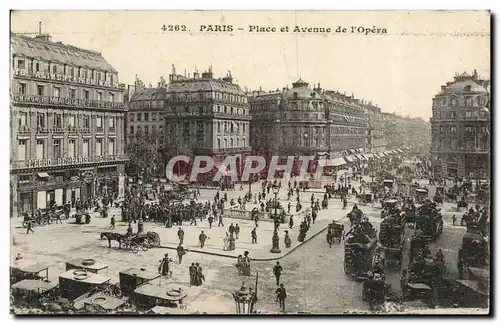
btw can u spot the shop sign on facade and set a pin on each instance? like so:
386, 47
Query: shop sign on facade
69, 161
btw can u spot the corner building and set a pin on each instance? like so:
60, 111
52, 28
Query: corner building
206, 116
66, 122
461, 128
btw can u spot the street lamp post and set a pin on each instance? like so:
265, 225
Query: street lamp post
276, 239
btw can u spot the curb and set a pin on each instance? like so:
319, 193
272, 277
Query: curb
259, 259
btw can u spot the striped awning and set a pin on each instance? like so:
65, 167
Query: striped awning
334, 162
400, 150
349, 158
43, 174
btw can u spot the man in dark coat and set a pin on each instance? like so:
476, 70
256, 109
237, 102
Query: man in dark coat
202, 238
281, 296
277, 272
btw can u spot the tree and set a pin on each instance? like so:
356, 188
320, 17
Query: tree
145, 158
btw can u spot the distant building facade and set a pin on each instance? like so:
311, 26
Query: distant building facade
461, 128
67, 119
206, 116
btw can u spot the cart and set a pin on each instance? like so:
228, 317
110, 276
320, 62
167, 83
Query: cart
86, 264
388, 183
26, 269
440, 190
31, 293
417, 291
366, 198
132, 278
75, 283
148, 295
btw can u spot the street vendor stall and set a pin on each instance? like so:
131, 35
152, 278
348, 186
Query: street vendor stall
148, 295
132, 278
75, 283
86, 264
26, 269
30, 293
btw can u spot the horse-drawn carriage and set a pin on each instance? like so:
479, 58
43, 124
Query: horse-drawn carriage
335, 233
431, 224
355, 216
421, 195
391, 238
375, 290
473, 253
388, 206
365, 198
359, 248
462, 203
133, 242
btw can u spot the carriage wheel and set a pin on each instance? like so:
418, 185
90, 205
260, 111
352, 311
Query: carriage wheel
25, 224
157, 241
151, 242
145, 246
134, 247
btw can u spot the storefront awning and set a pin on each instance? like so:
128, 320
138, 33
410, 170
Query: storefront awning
43, 174
360, 157
349, 158
400, 150
322, 153
351, 151
334, 162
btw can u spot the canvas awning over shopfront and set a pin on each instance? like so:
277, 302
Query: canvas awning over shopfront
334, 162
349, 158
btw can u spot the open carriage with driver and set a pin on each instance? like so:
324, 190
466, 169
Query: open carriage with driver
359, 248
472, 253
335, 233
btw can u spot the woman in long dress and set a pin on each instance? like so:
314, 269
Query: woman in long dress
225, 242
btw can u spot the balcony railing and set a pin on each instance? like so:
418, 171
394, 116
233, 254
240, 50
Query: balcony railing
206, 114
41, 75
37, 163
64, 102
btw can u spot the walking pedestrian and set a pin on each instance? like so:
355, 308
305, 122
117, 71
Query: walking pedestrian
164, 267
254, 236
202, 238
180, 253
237, 231
112, 220
210, 221
180, 235
220, 221
281, 296
58, 218
290, 222
225, 242
29, 227
454, 218
231, 229
277, 270
192, 274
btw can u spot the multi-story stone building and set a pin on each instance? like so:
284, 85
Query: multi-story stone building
206, 116
67, 138
306, 121
461, 128
376, 137
145, 118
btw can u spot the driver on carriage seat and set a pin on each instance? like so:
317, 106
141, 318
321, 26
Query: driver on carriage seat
129, 230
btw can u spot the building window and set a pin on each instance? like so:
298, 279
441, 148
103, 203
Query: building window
146, 129
57, 120
54, 69
22, 118
40, 149
40, 120
218, 143
186, 129
86, 94
218, 127
146, 116
131, 117
231, 143
22, 88
244, 142
453, 129
111, 97
56, 148
237, 142
71, 148
85, 148
199, 127
72, 93
200, 110
98, 147
72, 120
40, 90
86, 122
468, 101
153, 116
21, 64
232, 110
57, 92
99, 122
111, 122
153, 129
139, 117
186, 109
453, 114
225, 109
21, 150
244, 126
111, 146
139, 129
468, 114
132, 129
99, 95
441, 129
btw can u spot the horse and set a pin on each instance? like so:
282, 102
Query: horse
110, 236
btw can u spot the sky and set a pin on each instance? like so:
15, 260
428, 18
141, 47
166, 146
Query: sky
400, 71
